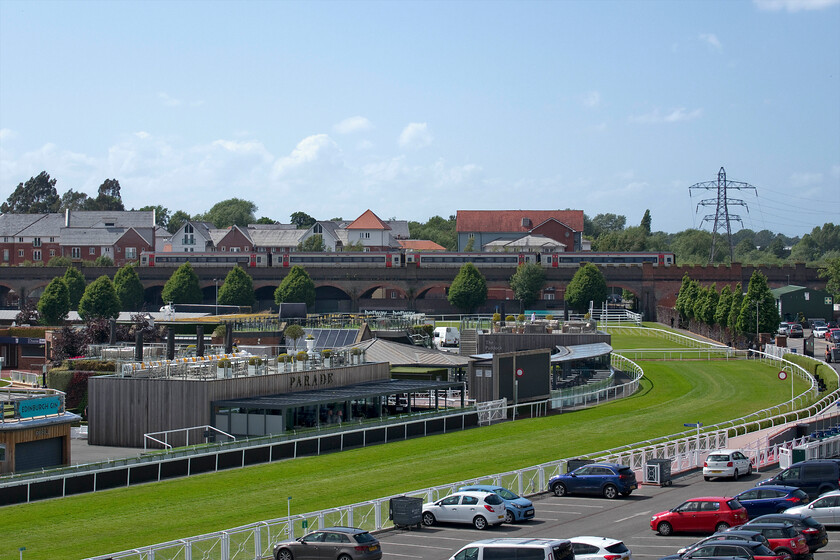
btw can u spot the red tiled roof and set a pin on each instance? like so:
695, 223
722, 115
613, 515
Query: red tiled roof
368, 220
511, 220
420, 245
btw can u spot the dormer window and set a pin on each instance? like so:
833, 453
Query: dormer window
317, 229
188, 228
110, 224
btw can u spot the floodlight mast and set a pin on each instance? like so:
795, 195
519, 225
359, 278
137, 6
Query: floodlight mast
722, 218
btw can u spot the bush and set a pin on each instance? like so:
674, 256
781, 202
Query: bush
549, 317
284, 359
92, 365
219, 332
509, 318
326, 353
497, 317
520, 318
224, 363
254, 361
302, 356
355, 351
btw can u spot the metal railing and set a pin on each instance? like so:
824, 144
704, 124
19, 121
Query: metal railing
682, 339
203, 437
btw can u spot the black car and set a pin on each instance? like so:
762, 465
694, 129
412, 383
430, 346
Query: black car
813, 531
814, 476
724, 548
733, 534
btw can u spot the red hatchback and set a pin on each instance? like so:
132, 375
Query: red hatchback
784, 539
700, 515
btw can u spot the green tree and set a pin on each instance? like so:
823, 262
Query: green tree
129, 288
588, 284
265, 220
231, 212
437, 229
470, 246
706, 304
238, 288
693, 246
606, 223
36, 196
75, 285
758, 301
527, 282
100, 300
60, 261
176, 220
356, 247
302, 220
680, 303
72, 200
161, 214
103, 260
296, 287
108, 197
723, 307
294, 333
182, 286
831, 272
54, 303
735, 310
646, 222
777, 248
468, 290
312, 244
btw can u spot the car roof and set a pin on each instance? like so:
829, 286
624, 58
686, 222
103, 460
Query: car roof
742, 543
349, 530
476, 493
613, 465
595, 541
829, 493
709, 499
501, 541
476, 487
770, 524
727, 450
773, 487
791, 516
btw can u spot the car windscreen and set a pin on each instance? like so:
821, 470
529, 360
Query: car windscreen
617, 548
492, 499
717, 458
364, 538
506, 494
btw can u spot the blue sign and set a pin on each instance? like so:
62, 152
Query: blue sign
694, 425
42, 406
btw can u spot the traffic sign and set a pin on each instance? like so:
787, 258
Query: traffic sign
520, 372
694, 425
783, 375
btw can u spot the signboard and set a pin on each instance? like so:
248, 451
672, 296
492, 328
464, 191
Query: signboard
520, 372
783, 375
827, 301
42, 406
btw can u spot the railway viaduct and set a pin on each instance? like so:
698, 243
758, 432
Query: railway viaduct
352, 289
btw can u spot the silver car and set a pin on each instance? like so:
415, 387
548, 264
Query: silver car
825, 509
480, 509
332, 543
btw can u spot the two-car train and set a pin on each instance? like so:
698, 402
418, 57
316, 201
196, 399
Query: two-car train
402, 259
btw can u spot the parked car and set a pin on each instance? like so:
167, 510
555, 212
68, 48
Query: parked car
727, 462
733, 534
825, 509
813, 531
796, 331
762, 500
525, 548
333, 542
830, 333
814, 476
517, 508
709, 514
728, 549
480, 509
820, 330
834, 336
785, 540
784, 328
605, 479
600, 548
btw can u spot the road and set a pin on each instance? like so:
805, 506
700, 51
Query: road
626, 519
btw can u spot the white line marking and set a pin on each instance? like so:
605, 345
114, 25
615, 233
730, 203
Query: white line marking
632, 516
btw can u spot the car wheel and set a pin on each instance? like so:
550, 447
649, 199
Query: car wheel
735, 475
749, 470
707, 478
559, 489
284, 554
509, 518
428, 519
479, 522
664, 529
721, 527
784, 553
610, 492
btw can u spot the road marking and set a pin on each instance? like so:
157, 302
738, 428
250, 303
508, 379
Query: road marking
632, 516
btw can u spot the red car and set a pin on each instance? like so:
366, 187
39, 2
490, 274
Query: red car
830, 335
700, 515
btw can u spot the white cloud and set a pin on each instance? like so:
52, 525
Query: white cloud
712, 40
679, 114
312, 149
592, 99
353, 124
415, 135
168, 100
794, 5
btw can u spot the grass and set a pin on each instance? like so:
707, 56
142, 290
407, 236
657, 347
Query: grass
120, 519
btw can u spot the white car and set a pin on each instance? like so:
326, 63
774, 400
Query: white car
784, 329
480, 509
825, 509
730, 463
820, 331
599, 548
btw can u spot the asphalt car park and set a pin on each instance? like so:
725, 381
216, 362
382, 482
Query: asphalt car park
626, 519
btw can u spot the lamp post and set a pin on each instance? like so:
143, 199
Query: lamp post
216, 282
756, 324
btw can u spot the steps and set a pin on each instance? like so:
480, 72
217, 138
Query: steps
469, 342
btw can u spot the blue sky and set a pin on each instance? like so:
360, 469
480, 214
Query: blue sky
416, 109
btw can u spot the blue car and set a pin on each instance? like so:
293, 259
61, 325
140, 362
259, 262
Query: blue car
516, 507
604, 479
763, 500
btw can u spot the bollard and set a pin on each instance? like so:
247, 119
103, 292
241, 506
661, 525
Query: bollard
199, 342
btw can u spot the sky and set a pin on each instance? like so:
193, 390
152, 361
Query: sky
417, 109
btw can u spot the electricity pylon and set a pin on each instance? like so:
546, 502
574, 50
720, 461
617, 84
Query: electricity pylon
722, 217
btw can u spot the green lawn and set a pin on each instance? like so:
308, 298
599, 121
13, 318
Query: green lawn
672, 393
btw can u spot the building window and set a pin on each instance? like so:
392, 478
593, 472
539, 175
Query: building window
36, 242
188, 229
548, 295
6, 255
5, 240
52, 239
20, 253
52, 252
20, 239
36, 255
317, 229
91, 250
76, 253
224, 248
364, 235
470, 236
131, 252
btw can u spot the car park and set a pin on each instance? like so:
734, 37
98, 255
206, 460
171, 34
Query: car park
730, 463
728, 549
784, 540
708, 514
813, 531
345, 543
796, 331
733, 534
825, 509
600, 548
516, 548
480, 509
814, 476
604, 479
517, 508
762, 500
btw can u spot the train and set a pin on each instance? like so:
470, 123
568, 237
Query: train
402, 259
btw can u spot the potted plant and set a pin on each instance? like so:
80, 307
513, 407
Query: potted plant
520, 320
223, 368
310, 343
497, 317
549, 319
284, 359
326, 354
253, 365
355, 352
300, 358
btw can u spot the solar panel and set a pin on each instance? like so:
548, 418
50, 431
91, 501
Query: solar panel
332, 338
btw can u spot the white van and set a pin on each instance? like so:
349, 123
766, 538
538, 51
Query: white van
517, 549
446, 337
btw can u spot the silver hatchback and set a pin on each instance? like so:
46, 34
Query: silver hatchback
480, 509
331, 543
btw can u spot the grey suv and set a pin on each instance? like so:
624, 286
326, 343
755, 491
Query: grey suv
333, 543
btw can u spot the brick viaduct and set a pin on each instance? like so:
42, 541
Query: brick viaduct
351, 289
